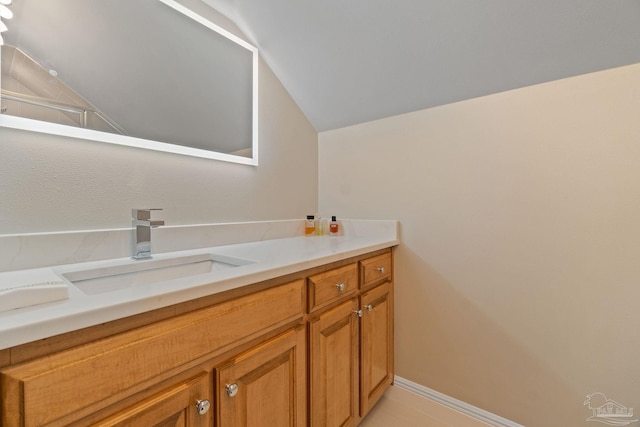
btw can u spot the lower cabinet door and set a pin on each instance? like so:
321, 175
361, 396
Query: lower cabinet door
185, 404
376, 345
266, 385
333, 356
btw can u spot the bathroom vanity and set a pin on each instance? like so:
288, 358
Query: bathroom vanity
308, 342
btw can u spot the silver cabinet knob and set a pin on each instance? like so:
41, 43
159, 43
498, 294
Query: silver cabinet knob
380, 269
340, 287
231, 389
203, 406
368, 307
357, 313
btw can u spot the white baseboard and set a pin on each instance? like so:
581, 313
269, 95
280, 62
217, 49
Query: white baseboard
458, 405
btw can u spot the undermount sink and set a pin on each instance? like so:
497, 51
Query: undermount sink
132, 273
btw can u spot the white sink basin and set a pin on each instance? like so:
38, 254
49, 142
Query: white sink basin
132, 273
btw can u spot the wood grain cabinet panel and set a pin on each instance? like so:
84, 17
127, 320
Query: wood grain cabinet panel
376, 345
333, 350
72, 384
332, 285
173, 407
376, 270
265, 386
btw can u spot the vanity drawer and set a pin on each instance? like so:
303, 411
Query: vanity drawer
332, 285
66, 386
376, 270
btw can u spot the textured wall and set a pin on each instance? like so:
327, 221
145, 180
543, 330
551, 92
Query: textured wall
53, 183
518, 283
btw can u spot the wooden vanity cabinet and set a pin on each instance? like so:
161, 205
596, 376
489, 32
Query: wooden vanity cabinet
351, 344
312, 348
98, 379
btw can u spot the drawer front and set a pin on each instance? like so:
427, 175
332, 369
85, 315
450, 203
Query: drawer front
332, 285
376, 270
69, 385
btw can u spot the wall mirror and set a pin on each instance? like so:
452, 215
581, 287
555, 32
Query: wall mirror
152, 74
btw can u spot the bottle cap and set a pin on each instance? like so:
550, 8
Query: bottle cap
309, 216
333, 218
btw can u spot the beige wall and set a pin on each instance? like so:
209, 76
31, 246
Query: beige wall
52, 183
518, 280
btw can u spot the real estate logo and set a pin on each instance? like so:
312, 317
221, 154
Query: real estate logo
607, 411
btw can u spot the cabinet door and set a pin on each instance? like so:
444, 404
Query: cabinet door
174, 407
333, 348
376, 341
266, 385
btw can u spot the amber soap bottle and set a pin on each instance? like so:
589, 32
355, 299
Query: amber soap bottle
334, 227
310, 226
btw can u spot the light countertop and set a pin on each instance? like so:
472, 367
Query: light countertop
271, 258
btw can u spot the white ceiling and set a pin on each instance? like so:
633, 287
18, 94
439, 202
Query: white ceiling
351, 61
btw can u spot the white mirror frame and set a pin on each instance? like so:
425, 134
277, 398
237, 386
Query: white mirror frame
14, 122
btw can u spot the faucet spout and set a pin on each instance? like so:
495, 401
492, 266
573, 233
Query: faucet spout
147, 223
142, 223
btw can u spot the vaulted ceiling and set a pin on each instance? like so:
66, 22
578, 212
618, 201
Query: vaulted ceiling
351, 61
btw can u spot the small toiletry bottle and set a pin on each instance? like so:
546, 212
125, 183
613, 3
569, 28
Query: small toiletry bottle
320, 229
334, 227
309, 226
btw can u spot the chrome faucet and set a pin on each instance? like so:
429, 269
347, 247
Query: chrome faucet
142, 223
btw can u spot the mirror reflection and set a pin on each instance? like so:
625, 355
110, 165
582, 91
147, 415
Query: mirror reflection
147, 73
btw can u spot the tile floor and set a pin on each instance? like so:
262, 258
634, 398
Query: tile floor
402, 408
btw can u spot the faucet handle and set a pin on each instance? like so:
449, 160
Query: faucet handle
143, 214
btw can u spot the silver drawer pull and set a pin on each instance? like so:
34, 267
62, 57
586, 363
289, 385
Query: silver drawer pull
231, 389
357, 313
380, 270
368, 307
340, 287
202, 406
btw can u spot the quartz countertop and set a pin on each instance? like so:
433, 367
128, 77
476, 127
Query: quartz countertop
270, 259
